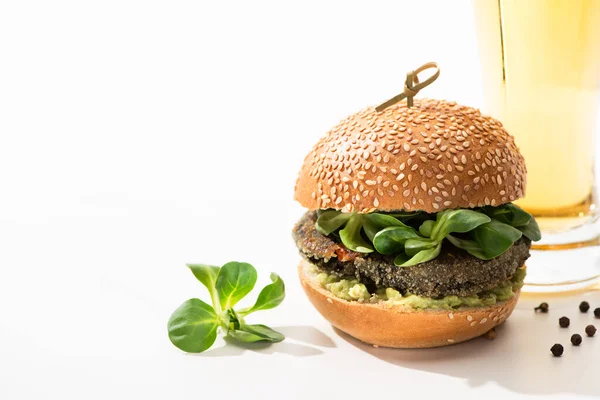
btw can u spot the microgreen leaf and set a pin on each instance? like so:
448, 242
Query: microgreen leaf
495, 237
235, 280
460, 220
351, 236
422, 256
426, 228
515, 216
531, 230
331, 220
471, 246
381, 221
269, 297
508, 214
375, 222
193, 326
256, 333
414, 246
391, 240
207, 274
408, 215
244, 337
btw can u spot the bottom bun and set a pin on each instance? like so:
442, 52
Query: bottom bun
388, 325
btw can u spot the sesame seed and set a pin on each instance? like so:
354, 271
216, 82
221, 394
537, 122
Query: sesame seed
469, 318
450, 340
473, 323
329, 300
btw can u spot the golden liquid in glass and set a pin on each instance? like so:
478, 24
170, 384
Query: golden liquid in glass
541, 70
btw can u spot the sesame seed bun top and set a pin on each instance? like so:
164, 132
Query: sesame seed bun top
433, 156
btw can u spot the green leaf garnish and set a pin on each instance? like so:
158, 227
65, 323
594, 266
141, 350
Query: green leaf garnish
351, 236
235, 280
422, 256
207, 274
426, 228
471, 246
414, 237
256, 333
193, 326
330, 221
414, 246
495, 238
509, 214
269, 297
531, 230
375, 222
391, 240
517, 217
460, 221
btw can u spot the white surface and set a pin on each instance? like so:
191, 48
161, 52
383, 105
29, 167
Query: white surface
138, 136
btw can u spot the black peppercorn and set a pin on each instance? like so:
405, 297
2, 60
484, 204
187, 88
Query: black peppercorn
542, 308
584, 306
590, 330
597, 312
576, 339
557, 350
564, 322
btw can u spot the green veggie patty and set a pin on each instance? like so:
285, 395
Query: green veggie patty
453, 272
349, 288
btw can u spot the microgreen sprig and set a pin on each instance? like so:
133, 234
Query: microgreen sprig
193, 325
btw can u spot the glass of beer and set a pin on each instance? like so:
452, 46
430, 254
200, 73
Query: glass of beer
540, 62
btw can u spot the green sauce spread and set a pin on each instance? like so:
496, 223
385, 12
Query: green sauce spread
352, 290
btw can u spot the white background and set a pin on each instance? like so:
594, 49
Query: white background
138, 136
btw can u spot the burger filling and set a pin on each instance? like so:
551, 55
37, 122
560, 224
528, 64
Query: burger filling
452, 255
349, 288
